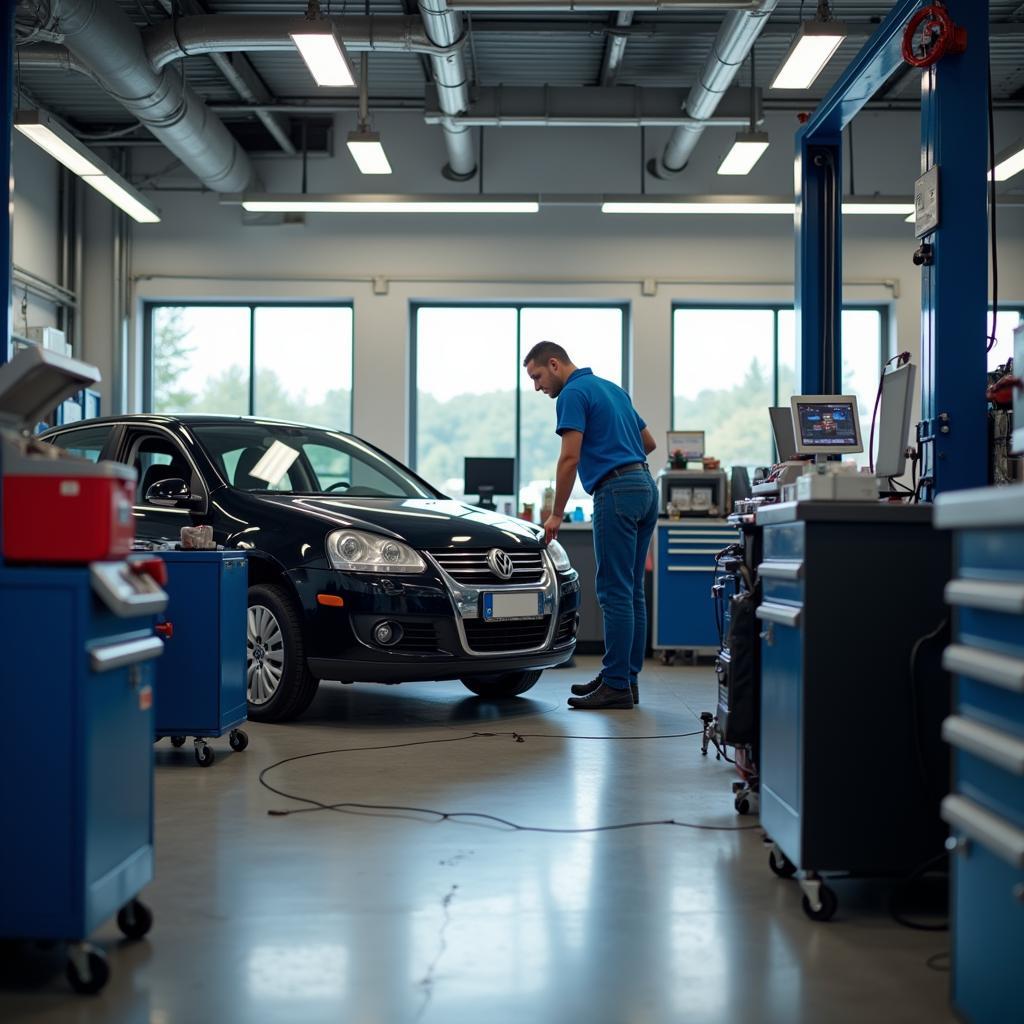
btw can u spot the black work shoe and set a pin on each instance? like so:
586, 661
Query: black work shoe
603, 697
582, 689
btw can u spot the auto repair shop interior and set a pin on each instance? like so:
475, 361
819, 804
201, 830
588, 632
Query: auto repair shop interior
287, 647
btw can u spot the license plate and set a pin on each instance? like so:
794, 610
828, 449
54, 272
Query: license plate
513, 606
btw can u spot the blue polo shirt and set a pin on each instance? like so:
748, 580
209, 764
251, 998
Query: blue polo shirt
605, 416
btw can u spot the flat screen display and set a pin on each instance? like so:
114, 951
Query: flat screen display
826, 423
689, 442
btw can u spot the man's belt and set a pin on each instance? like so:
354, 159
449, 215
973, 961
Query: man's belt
630, 467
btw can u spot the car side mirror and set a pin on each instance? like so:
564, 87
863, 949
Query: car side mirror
173, 493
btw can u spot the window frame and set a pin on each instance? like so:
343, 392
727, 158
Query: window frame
150, 306
625, 307
775, 308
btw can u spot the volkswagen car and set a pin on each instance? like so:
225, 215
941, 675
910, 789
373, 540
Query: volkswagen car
359, 570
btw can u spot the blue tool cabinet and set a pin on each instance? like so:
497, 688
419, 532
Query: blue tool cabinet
985, 810
684, 571
850, 742
201, 680
77, 767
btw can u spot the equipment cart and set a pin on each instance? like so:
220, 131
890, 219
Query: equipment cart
201, 680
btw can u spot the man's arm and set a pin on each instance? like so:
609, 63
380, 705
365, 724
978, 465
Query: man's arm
648, 439
565, 480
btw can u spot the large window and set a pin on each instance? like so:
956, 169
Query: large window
730, 364
472, 397
280, 361
1007, 321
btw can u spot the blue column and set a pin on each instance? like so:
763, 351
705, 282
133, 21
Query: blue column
6, 122
954, 290
818, 297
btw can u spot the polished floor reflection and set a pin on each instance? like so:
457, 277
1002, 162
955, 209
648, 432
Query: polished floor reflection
353, 914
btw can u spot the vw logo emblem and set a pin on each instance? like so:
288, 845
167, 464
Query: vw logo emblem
500, 564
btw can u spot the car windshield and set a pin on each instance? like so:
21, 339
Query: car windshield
283, 459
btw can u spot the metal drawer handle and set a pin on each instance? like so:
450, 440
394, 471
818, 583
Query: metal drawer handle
690, 568
781, 615
993, 597
985, 666
781, 570
105, 659
694, 551
992, 745
993, 832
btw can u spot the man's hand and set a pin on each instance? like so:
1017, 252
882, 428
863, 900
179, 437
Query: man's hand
551, 525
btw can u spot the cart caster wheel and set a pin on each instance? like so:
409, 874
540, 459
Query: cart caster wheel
88, 972
238, 740
781, 865
204, 756
177, 741
742, 804
134, 919
829, 905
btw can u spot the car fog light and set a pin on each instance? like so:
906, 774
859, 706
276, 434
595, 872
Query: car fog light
387, 634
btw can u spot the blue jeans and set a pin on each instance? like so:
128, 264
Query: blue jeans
625, 514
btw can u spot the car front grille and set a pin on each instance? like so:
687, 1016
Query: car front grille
566, 627
471, 568
417, 638
496, 637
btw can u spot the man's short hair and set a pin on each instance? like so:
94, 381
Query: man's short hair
545, 350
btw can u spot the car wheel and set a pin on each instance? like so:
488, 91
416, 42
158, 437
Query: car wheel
501, 684
279, 685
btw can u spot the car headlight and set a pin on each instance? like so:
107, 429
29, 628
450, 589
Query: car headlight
559, 557
356, 551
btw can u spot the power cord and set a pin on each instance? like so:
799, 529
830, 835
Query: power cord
897, 890
347, 806
992, 211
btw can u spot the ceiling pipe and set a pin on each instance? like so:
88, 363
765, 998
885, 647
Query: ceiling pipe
444, 28
223, 33
615, 49
100, 36
735, 38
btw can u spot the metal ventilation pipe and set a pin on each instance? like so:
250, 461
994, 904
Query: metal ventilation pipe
444, 27
99, 36
737, 35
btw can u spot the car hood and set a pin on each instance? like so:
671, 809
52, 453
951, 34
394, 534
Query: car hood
419, 522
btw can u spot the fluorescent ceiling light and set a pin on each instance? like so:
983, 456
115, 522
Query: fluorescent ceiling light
122, 195
1009, 162
368, 153
894, 209
386, 204
810, 51
325, 57
746, 151
699, 206
56, 139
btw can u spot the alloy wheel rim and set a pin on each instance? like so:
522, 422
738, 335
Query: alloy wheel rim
264, 651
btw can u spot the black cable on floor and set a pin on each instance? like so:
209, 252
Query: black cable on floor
918, 874
935, 961
353, 807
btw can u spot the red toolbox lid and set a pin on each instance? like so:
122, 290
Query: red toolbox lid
36, 381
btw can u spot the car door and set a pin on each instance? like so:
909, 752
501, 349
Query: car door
158, 455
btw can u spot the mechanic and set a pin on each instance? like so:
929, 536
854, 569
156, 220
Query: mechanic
604, 438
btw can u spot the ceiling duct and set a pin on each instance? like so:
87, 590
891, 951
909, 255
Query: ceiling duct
103, 40
444, 27
735, 38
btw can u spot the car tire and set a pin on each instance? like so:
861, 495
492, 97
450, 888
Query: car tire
279, 685
501, 684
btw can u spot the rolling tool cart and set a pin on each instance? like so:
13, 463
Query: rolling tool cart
78, 637
201, 680
985, 811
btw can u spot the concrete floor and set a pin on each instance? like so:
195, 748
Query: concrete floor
398, 918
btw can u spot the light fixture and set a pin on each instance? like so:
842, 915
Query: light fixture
812, 48
321, 50
365, 145
750, 205
47, 132
746, 151
1009, 162
387, 204
749, 146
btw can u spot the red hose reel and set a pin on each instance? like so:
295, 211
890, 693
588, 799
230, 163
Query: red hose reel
939, 36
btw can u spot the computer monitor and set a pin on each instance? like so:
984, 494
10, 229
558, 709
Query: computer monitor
488, 477
782, 429
826, 424
894, 420
689, 442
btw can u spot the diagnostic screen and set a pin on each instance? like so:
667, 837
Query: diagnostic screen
827, 424
690, 443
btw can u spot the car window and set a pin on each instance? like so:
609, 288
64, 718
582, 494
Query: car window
157, 458
87, 442
333, 467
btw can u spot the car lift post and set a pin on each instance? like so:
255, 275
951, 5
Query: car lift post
954, 284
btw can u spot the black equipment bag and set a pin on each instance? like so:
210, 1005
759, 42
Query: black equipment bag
738, 671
